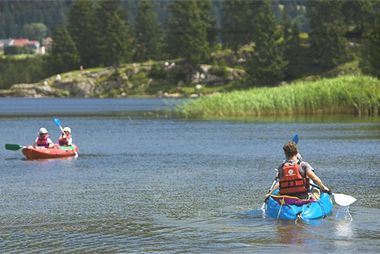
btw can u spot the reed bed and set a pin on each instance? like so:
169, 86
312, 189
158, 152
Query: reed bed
358, 95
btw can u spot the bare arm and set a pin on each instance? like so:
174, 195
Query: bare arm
316, 179
275, 187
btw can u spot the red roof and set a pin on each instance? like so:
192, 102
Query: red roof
23, 42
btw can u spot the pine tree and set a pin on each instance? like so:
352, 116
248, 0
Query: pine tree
81, 28
64, 54
9, 23
370, 62
187, 32
118, 42
267, 64
209, 21
114, 39
239, 27
293, 54
291, 7
148, 33
328, 45
359, 15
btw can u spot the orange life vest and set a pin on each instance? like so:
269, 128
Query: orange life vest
43, 141
63, 141
292, 181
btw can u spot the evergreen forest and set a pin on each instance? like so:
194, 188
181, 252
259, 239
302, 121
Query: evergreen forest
272, 41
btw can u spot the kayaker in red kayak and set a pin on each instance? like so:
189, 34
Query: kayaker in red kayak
43, 139
294, 175
65, 139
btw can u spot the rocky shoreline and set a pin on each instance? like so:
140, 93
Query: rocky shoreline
126, 81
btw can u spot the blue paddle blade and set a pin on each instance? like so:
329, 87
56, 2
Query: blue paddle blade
56, 121
295, 138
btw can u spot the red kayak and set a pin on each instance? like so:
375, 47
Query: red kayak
32, 153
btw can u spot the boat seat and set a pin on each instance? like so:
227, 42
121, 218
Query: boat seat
289, 200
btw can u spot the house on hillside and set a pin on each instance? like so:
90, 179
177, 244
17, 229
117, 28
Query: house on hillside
3, 43
24, 42
34, 46
47, 43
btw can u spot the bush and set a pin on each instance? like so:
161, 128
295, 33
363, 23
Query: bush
157, 71
12, 50
219, 71
115, 75
178, 73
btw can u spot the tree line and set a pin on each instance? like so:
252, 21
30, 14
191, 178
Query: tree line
100, 33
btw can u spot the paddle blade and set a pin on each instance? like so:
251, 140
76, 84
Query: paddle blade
343, 199
13, 147
56, 121
295, 139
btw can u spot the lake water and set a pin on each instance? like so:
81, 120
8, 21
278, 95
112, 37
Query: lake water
151, 184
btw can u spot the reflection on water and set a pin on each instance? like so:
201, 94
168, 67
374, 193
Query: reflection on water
292, 233
343, 228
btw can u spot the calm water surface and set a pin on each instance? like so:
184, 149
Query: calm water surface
160, 185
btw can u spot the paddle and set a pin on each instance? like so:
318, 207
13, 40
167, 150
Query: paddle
340, 199
58, 123
13, 147
263, 206
295, 140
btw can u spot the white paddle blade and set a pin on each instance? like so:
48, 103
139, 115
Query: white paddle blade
343, 199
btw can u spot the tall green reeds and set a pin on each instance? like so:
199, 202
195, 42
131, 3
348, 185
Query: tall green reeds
346, 94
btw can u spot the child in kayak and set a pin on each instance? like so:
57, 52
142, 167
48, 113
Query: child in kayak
65, 139
43, 139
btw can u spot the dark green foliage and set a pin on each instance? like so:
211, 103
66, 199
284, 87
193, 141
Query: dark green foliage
158, 71
219, 69
12, 50
21, 70
35, 31
370, 62
209, 22
187, 31
178, 73
148, 32
113, 37
267, 63
15, 14
238, 25
115, 75
81, 28
64, 54
294, 53
328, 46
360, 15
99, 35
291, 7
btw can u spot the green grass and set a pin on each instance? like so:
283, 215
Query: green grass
351, 94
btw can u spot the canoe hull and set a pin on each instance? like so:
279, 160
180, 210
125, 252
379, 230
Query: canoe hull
32, 153
315, 210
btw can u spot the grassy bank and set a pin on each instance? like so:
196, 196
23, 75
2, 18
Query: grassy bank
342, 95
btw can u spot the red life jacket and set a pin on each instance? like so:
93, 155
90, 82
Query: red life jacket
63, 141
292, 181
43, 141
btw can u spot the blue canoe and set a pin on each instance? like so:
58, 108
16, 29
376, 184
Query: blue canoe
315, 210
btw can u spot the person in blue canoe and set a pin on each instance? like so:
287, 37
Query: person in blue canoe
294, 175
66, 139
43, 139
